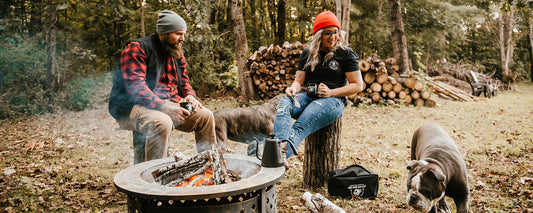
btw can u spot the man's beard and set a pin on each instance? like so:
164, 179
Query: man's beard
174, 49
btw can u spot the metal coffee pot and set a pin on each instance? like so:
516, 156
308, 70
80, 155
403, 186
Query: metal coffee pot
272, 153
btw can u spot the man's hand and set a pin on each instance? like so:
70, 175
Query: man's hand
175, 112
195, 103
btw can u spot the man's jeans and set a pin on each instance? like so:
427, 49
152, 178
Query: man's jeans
312, 115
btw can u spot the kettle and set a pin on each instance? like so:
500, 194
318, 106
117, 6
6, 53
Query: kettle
272, 155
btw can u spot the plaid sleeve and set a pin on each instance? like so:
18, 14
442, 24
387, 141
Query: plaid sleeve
133, 66
186, 87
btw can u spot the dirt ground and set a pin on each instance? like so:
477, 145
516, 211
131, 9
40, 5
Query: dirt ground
65, 162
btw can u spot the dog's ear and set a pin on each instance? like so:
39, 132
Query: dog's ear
437, 173
412, 164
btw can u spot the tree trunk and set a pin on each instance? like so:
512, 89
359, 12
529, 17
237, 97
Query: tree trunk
35, 19
143, 33
399, 42
346, 22
51, 67
271, 14
380, 9
505, 34
322, 154
530, 36
280, 35
343, 14
338, 8
241, 50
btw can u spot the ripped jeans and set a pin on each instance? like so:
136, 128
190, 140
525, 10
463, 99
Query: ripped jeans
312, 115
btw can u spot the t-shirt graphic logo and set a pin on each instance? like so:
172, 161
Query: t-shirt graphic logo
334, 65
357, 189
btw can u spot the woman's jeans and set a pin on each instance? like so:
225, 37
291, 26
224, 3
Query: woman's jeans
312, 115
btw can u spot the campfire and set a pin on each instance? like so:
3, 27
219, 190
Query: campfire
205, 169
207, 182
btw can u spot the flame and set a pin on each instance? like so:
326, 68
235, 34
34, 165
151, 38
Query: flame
199, 179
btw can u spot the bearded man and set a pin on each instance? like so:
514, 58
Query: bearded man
150, 84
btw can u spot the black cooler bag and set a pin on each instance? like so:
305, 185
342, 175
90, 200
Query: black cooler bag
353, 180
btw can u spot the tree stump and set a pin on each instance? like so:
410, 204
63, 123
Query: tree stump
322, 154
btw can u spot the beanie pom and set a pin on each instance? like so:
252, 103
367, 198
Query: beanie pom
325, 19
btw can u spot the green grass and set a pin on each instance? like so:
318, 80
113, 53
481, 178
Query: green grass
65, 162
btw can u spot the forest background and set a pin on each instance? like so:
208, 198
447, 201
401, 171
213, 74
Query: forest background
56, 53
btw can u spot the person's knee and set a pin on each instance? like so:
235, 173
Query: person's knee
283, 106
205, 114
162, 126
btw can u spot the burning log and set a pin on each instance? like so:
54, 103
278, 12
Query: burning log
206, 168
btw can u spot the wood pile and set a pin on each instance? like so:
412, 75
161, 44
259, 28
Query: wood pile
272, 69
459, 75
383, 84
446, 91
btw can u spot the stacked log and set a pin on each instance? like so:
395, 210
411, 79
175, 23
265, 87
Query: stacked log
272, 69
383, 84
446, 91
459, 75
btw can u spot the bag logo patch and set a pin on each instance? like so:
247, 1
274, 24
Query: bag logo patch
357, 189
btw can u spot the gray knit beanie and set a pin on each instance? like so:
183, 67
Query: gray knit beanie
169, 22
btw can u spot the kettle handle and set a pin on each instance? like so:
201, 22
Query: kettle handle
257, 148
292, 146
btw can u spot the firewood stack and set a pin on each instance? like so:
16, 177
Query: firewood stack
272, 69
383, 84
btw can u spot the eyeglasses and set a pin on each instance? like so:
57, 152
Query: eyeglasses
329, 33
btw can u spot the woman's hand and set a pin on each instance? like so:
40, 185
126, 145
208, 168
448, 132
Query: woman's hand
290, 91
324, 91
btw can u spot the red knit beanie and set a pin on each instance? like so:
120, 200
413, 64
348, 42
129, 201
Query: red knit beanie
325, 19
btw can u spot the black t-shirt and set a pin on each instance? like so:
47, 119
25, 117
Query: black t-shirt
331, 73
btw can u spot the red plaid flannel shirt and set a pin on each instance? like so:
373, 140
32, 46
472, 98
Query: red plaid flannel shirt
133, 67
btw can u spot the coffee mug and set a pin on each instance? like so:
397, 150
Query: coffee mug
187, 106
312, 89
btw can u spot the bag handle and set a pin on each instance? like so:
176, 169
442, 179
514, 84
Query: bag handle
357, 165
337, 172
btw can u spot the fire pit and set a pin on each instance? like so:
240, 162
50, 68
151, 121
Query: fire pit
254, 192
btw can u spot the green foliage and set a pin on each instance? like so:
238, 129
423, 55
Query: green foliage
91, 35
22, 76
208, 48
230, 79
79, 94
84, 93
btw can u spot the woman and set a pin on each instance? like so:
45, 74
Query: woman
331, 66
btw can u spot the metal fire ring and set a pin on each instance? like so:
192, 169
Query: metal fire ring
137, 180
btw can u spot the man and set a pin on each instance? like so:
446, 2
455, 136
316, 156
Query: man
152, 80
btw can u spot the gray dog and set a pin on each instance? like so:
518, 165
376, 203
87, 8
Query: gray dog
436, 169
246, 124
